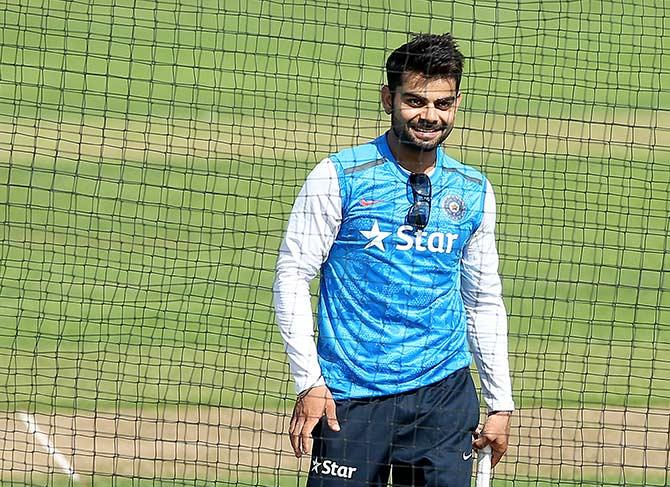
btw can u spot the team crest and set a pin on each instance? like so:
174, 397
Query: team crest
454, 207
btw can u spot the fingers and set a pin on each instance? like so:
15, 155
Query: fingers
331, 415
295, 429
309, 409
498, 446
496, 434
300, 434
294, 421
481, 442
497, 455
306, 436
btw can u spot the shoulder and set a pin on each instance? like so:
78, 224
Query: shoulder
358, 158
468, 187
321, 180
468, 173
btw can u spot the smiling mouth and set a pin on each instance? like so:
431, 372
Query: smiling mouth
425, 133
427, 130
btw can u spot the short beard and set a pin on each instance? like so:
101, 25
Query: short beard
407, 139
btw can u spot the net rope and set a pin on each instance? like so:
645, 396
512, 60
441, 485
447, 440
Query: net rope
150, 153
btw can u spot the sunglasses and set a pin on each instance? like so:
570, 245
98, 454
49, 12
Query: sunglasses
419, 212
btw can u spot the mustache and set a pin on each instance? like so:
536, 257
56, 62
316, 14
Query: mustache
429, 126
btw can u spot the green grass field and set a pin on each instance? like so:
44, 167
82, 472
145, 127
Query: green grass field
150, 153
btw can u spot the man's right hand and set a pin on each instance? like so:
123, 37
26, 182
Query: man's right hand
308, 410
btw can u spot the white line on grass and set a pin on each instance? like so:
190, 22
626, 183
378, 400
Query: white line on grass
62, 462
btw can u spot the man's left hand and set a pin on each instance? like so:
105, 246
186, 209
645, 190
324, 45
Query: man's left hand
496, 434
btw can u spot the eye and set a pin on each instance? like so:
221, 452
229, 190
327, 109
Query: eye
445, 103
414, 102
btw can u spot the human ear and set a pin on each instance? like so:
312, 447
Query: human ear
387, 99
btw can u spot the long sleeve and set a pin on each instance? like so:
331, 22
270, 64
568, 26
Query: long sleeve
486, 315
312, 227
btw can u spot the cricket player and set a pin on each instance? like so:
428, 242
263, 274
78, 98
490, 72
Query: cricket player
403, 238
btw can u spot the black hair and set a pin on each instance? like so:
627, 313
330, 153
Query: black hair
431, 55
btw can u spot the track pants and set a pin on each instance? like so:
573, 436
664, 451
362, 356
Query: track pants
418, 438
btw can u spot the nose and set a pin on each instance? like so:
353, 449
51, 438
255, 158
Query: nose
430, 113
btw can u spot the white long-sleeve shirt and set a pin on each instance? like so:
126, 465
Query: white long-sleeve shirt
312, 228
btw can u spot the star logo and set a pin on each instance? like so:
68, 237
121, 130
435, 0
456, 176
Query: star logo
315, 465
376, 237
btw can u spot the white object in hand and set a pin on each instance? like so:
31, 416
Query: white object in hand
484, 467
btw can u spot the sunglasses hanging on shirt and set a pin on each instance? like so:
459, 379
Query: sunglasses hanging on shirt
419, 212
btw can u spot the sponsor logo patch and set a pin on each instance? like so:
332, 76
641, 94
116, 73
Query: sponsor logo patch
436, 242
365, 202
332, 468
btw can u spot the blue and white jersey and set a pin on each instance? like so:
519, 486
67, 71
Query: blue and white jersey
398, 308
391, 316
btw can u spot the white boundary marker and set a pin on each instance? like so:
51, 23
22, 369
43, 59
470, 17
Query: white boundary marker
43, 439
484, 467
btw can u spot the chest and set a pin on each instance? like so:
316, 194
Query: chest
375, 217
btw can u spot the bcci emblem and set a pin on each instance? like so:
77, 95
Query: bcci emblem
454, 207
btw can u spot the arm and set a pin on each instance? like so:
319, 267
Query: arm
312, 228
487, 328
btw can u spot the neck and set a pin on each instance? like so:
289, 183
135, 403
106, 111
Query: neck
411, 158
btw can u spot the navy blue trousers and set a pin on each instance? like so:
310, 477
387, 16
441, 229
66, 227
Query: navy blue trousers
418, 438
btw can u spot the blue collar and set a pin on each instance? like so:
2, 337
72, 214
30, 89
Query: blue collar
382, 145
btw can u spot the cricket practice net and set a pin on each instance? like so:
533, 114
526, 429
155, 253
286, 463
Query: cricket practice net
150, 153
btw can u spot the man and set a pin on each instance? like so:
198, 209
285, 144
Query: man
403, 236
